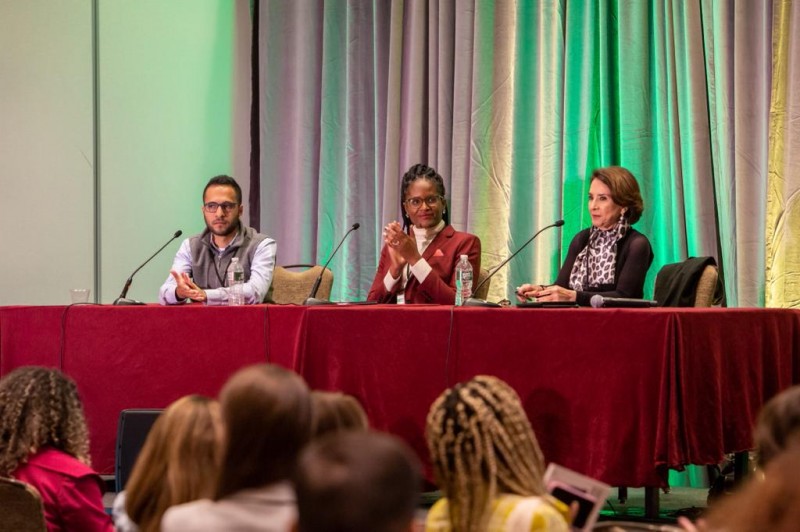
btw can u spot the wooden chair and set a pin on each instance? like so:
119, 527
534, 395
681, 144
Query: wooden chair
290, 287
707, 287
678, 285
22, 509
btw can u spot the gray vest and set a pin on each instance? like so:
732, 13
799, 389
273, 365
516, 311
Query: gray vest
209, 268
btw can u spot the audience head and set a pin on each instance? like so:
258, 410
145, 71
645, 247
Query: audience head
769, 503
354, 481
778, 425
178, 463
266, 412
624, 190
422, 184
40, 407
481, 445
335, 412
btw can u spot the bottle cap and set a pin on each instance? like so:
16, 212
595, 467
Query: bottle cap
464, 257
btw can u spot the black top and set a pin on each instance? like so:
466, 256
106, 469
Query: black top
634, 256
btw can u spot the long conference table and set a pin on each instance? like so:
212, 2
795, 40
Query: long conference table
621, 395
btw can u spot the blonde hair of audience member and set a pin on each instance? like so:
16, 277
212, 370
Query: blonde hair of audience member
266, 412
336, 412
179, 461
481, 445
778, 425
40, 407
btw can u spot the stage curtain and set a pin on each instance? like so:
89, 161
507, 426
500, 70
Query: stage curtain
514, 103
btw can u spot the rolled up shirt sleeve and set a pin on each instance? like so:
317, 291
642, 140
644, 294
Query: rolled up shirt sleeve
389, 282
181, 264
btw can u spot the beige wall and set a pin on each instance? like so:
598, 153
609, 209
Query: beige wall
46, 150
172, 110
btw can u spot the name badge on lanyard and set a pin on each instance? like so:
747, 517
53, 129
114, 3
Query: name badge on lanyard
401, 295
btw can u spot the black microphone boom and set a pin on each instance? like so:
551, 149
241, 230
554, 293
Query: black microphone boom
122, 299
475, 302
312, 296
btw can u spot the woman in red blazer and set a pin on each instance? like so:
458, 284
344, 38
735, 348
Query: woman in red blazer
417, 265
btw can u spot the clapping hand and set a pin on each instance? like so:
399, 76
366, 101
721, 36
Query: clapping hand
401, 247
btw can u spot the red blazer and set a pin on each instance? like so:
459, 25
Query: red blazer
440, 285
71, 492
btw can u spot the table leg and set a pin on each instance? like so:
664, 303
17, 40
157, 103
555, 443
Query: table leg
651, 502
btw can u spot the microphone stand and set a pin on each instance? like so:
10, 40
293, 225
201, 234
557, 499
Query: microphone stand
472, 301
123, 299
312, 299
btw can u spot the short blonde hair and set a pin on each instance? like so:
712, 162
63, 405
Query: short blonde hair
179, 461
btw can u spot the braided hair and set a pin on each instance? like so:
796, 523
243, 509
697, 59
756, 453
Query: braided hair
421, 171
481, 444
40, 407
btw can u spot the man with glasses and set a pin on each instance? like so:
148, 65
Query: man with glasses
200, 269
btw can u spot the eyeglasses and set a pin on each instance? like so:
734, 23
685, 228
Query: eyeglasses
430, 201
212, 206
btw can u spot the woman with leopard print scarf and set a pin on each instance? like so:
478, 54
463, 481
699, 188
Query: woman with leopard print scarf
609, 258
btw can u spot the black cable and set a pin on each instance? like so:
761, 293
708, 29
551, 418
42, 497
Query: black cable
63, 336
266, 334
449, 344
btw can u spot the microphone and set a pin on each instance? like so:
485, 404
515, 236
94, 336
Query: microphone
312, 296
122, 299
472, 301
599, 301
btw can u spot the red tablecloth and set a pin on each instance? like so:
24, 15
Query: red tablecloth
618, 394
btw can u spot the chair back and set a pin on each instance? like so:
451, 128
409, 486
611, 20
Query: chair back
22, 508
706, 287
290, 287
483, 293
694, 282
132, 430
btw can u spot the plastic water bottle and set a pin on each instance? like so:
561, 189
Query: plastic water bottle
236, 282
463, 280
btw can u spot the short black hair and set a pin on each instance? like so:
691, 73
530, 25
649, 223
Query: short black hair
355, 481
225, 181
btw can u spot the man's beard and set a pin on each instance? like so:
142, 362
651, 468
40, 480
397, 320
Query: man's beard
228, 230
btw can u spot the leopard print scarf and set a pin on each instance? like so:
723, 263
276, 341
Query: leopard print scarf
595, 264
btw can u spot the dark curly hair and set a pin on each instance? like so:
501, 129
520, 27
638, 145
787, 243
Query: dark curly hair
421, 171
40, 407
